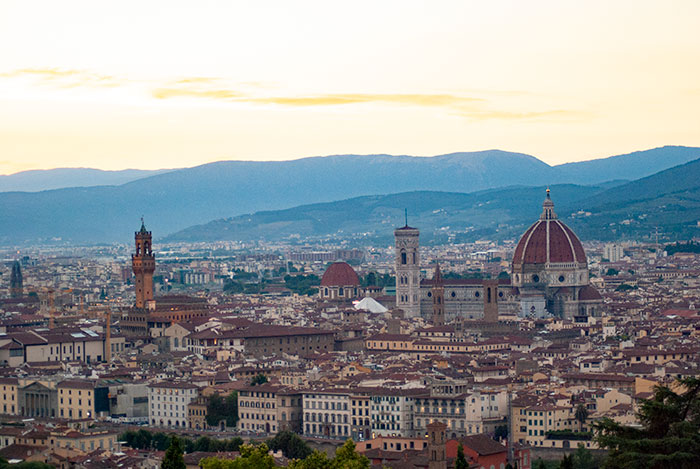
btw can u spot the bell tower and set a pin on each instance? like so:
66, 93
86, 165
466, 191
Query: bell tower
437, 439
143, 263
407, 270
438, 294
16, 283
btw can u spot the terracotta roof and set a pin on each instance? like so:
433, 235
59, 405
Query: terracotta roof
482, 444
340, 274
548, 240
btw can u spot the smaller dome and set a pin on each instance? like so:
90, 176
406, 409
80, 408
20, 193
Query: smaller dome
340, 274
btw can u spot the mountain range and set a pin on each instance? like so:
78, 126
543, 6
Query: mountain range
668, 200
46, 179
174, 200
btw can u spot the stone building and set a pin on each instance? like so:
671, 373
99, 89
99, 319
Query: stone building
269, 408
168, 401
549, 275
339, 283
407, 263
549, 263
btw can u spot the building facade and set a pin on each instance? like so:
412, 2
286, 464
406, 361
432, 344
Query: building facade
327, 414
167, 403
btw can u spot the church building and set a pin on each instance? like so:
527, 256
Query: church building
549, 276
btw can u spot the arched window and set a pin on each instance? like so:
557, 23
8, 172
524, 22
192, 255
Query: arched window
403, 257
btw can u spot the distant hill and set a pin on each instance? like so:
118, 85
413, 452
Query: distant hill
630, 166
174, 200
499, 213
47, 179
668, 200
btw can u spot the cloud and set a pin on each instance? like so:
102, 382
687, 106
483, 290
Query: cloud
199, 87
529, 115
65, 78
435, 100
474, 108
167, 93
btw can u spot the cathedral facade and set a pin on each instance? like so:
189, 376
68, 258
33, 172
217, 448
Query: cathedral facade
549, 276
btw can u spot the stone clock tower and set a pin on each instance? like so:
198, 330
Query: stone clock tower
143, 263
408, 270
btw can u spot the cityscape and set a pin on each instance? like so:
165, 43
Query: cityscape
183, 287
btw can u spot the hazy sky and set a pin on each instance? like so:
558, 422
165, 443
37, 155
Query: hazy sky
150, 84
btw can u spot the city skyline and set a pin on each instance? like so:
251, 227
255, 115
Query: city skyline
166, 86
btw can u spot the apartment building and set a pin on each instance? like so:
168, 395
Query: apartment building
168, 401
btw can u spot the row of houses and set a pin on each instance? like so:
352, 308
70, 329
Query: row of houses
358, 413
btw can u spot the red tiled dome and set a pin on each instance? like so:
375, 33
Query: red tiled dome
340, 274
548, 240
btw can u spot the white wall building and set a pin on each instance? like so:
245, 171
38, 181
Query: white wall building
327, 414
167, 403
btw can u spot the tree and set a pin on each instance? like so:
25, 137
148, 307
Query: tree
216, 410
219, 409
566, 463
258, 379
231, 405
540, 464
461, 461
581, 415
252, 457
582, 458
612, 272
173, 458
203, 443
347, 458
670, 433
509, 466
144, 438
291, 445
316, 460
501, 432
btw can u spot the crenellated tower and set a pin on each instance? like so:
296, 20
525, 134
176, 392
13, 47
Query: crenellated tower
16, 283
143, 263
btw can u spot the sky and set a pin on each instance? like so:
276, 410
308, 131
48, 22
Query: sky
165, 84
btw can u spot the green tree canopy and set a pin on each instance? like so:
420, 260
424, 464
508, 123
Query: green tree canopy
219, 408
173, 458
670, 433
291, 445
252, 457
258, 379
461, 461
583, 459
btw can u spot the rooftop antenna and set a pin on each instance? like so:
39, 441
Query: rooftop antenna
406, 215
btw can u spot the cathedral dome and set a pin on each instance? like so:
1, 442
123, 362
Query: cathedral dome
340, 274
549, 241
